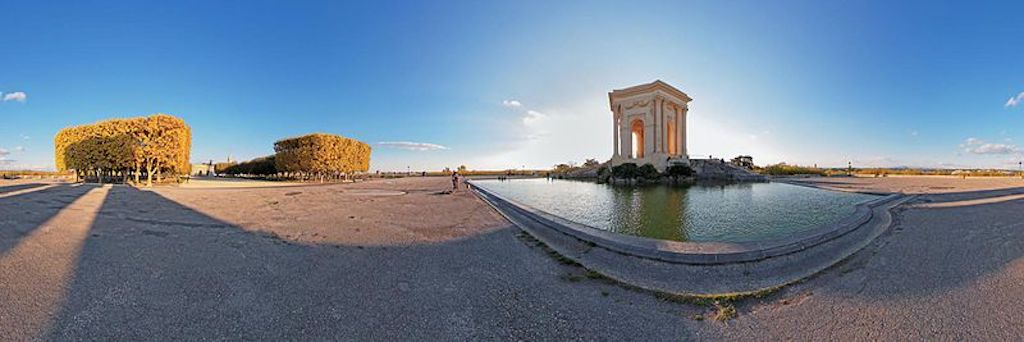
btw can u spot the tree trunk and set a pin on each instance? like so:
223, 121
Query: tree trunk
149, 173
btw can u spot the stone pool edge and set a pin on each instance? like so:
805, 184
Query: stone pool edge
695, 253
705, 281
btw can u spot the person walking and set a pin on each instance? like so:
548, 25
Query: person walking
455, 180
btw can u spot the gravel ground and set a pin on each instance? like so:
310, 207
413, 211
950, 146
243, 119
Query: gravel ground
395, 260
950, 273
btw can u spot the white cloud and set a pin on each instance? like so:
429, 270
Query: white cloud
913, 133
19, 148
15, 96
1016, 100
25, 137
532, 117
978, 146
4, 152
412, 146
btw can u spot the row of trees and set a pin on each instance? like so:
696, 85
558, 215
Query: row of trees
152, 146
261, 167
315, 156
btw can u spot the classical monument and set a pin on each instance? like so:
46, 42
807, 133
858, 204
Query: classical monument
649, 125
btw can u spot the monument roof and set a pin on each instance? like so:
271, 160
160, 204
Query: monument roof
650, 87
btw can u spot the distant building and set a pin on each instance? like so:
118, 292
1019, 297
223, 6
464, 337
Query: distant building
203, 170
649, 125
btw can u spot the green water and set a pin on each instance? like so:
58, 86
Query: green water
728, 213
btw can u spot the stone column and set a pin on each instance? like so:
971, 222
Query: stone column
656, 132
665, 113
681, 131
676, 135
615, 134
650, 129
626, 136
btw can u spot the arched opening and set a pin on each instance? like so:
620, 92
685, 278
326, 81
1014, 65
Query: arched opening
670, 139
637, 129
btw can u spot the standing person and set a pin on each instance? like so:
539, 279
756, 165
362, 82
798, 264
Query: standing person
455, 180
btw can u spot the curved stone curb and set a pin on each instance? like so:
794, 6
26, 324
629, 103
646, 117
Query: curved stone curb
831, 188
702, 253
709, 279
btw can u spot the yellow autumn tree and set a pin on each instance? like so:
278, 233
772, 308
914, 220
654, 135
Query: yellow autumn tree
149, 145
321, 155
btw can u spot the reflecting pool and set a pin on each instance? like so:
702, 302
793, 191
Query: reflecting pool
726, 212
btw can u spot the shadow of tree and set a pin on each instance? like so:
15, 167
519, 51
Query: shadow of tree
152, 267
21, 214
17, 187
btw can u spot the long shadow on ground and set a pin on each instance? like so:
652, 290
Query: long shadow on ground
23, 213
152, 268
16, 187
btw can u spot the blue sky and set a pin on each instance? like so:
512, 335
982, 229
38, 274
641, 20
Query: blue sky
434, 84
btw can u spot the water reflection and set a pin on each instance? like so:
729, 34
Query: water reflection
714, 212
657, 212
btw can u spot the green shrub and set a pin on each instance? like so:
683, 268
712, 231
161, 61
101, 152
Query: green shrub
679, 170
624, 171
784, 169
648, 172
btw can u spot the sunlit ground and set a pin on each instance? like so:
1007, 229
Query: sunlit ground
400, 260
37, 271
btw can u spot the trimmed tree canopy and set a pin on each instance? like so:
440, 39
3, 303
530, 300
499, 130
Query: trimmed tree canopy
321, 153
157, 143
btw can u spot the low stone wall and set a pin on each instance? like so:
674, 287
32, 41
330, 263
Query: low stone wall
690, 252
702, 268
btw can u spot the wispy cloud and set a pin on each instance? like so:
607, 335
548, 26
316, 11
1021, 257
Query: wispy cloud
532, 117
412, 146
511, 103
1016, 100
19, 148
3, 157
18, 96
978, 146
25, 137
